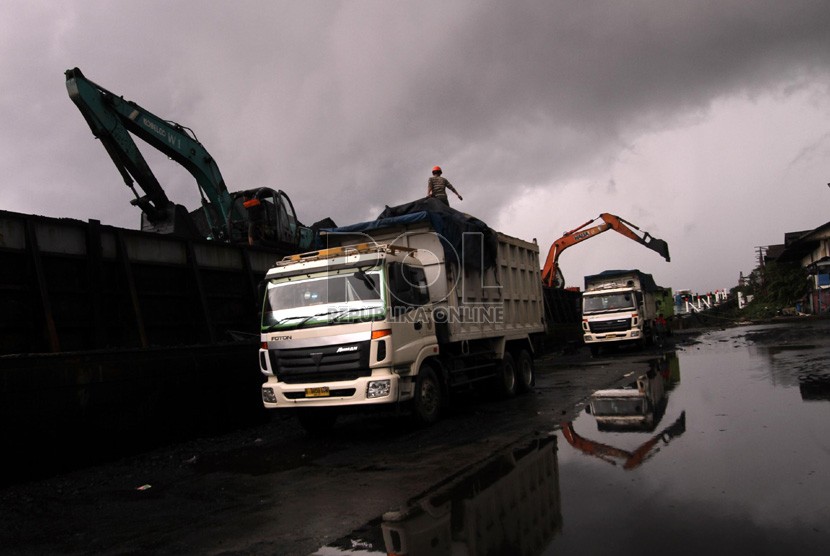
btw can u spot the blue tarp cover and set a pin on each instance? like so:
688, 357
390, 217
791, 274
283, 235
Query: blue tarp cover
460, 233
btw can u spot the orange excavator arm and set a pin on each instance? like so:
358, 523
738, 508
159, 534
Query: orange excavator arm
630, 460
551, 273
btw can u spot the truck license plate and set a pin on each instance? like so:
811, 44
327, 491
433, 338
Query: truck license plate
319, 392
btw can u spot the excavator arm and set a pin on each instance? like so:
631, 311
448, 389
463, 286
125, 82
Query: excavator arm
113, 120
552, 274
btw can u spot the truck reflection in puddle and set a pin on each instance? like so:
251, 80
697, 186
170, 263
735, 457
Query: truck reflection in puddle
507, 504
640, 405
637, 407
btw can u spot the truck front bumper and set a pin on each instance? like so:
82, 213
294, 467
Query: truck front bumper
380, 388
624, 336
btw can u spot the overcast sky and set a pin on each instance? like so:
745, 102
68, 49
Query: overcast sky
706, 123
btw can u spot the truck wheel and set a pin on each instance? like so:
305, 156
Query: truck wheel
317, 420
428, 397
525, 372
594, 351
507, 381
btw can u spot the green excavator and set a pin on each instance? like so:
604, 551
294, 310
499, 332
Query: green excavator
260, 216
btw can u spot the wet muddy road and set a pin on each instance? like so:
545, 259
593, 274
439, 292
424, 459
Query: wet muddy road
729, 452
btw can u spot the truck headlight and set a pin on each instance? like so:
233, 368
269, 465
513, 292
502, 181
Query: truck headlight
268, 395
635, 333
378, 388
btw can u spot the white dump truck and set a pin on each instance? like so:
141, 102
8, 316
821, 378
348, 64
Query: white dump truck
400, 310
621, 306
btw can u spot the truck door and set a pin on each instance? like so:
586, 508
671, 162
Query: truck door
412, 327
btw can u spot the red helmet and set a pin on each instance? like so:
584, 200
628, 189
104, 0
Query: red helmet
436, 169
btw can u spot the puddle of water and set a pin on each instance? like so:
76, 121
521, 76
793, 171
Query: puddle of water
716, 449
750, 473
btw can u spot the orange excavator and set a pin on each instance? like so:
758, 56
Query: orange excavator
552, 274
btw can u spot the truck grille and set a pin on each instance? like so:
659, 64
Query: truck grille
616, 325
321, 364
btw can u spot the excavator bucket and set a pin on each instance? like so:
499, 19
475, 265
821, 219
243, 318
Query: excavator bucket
657, 245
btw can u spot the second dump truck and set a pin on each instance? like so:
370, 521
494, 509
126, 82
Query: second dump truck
621, 307
400, 310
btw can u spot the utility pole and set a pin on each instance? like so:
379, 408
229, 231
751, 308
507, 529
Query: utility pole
761, 252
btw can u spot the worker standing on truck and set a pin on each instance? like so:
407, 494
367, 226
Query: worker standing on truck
437, 187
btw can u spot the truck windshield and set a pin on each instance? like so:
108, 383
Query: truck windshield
607, 302
324, 299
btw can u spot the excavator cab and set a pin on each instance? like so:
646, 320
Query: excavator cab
266, 217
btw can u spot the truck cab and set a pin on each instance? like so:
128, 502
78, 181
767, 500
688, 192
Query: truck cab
345, 326
620, 307
615, 315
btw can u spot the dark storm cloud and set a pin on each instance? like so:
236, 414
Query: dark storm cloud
531, 92
594, 73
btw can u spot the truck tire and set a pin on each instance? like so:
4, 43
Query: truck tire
428, 397
525, 372
594, 351
317, 420
507, 382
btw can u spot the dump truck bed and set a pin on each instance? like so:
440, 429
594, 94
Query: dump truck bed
487, 283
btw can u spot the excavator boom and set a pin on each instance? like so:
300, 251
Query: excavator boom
551, 273
113, 119
260, 216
